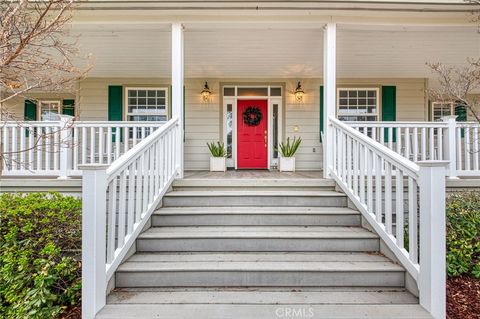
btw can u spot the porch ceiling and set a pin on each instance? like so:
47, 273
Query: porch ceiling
275, 50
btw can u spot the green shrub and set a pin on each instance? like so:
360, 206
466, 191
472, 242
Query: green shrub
463, 234
40, 242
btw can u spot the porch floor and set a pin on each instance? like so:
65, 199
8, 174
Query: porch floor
253, 174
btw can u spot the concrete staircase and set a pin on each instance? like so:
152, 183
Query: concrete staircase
258, 249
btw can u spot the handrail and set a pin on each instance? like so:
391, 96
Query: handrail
396, 124
406, 164
131, 155
118, 201
400, 200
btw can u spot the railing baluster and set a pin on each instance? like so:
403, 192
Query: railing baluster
432, 144
400, 218
131, 198
47, 147
407, 143
388, 198
378, 188
122, 209
415, 144
460, 165
475, 148
100, 145
92, 145
109, 145
362, 173
112, 220
76, 147
118, 138
14, 156
84, 145
369, 180
424, 144
412, 221
349, 162
467, 149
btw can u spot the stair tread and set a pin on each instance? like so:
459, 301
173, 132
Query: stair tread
303, 295
257, 232
267, 266
253, 193
221, 311
233, 210
258, 257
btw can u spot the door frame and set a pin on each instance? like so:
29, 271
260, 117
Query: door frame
271, 100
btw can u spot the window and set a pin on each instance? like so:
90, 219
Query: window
49, 110
358, 104
441, 109
147, 104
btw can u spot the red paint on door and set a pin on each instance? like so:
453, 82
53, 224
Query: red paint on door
252, 141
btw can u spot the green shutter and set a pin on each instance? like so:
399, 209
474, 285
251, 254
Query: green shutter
30, 111
389, 107
68, 107
321, 112
461, 113
115, 104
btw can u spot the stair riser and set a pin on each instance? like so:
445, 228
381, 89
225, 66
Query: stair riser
259, 279
256, 220
266, 201
257, 188
258, 244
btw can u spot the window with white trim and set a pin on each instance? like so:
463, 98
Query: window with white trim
441, 109
358, 104
49, 110
147, 104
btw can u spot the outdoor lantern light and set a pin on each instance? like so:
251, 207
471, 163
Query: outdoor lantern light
206, 93
299, 93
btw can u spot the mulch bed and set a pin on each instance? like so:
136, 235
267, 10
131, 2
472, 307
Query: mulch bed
72, 313
463, 298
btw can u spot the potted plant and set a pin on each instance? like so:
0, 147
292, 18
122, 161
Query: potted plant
218, 161
287, 152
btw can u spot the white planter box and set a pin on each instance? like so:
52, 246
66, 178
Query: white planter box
218, 164
287, 164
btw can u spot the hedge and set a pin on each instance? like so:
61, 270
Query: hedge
40, 242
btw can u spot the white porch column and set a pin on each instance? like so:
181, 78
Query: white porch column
329, 92
432, 277
177, 89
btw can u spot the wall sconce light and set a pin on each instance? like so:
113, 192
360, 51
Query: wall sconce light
206, 93
299, 93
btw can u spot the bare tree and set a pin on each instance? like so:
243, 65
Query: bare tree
460, 84
37, 54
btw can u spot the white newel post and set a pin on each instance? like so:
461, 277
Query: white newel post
66, 145
94, 203
329, 92
177, 90
450, 145
432, 275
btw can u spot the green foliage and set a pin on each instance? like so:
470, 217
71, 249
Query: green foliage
217, 149
40, 242
463, 234
289, 149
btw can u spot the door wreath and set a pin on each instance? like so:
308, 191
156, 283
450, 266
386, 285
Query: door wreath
252, 116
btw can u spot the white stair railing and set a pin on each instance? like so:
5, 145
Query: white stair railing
118, 200
403, 201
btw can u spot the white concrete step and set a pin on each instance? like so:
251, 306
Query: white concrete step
257, 238
267, 311
261, 269
252, 183
263, 295
250, 216
254, 198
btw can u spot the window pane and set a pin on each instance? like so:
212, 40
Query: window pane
146, 105
229, 122
276, 91
252, 91
229, 91
358, 105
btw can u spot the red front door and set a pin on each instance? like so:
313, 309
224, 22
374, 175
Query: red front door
252, 137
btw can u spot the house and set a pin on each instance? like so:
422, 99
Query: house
348, 77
